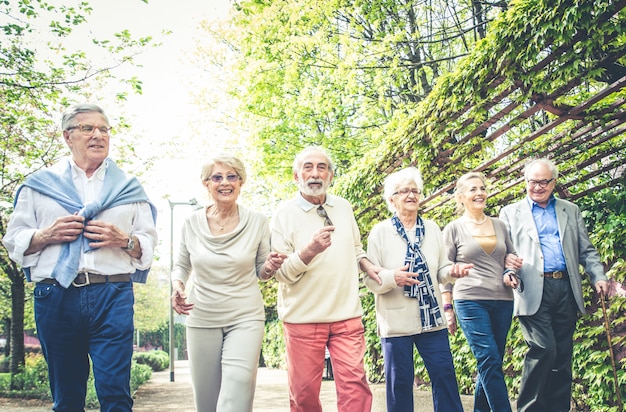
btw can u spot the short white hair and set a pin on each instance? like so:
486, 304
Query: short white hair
543, 160
297, 162
400, 178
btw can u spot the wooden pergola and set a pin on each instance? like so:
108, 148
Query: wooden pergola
578, 119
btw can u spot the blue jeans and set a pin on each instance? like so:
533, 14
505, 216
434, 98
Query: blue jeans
77, 324
434, 348
486, 324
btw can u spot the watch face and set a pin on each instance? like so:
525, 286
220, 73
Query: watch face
131, 243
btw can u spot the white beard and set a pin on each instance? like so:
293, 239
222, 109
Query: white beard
313, 191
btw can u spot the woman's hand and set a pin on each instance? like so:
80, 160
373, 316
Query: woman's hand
451, 319
273, 262
460, 270
403, 277
512, 280
179, 298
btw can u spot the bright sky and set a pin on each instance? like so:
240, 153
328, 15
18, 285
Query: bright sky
165, 110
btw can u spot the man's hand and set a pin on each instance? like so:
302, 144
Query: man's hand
513, 261
602, 286
371, 270
320, 241
64, 229
105, 234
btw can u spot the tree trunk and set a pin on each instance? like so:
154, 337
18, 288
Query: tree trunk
17, 327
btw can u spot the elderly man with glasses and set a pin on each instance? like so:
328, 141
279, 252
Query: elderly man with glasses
83, 230
318, 294
550, 235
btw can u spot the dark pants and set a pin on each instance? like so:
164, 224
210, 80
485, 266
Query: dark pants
547, 376
486, 324
434, 349
76, 324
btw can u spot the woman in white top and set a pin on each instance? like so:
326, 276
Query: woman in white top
226, 246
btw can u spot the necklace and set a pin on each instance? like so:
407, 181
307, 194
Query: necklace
220, 225
477, 222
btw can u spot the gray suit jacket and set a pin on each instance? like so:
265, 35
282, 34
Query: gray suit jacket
577, 249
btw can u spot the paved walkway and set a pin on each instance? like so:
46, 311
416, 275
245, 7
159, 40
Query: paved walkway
271, 393
160, 394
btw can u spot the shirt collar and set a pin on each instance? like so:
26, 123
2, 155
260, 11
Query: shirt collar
306, 205
534, 204
99, 173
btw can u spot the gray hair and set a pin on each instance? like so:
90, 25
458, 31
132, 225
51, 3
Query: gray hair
72, 112
297, 162
401, 178
226, 160
543, 160
462, 186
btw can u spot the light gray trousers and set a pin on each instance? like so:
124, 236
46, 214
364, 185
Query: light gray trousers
223, 363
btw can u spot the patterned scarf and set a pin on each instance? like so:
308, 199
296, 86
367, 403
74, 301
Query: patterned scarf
424, 292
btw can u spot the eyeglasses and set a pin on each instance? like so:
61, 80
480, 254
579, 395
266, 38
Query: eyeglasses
406, 190
219, 178
541, 183
321, 212
89, 129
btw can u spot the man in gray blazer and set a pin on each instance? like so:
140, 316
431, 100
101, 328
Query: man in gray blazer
549, 234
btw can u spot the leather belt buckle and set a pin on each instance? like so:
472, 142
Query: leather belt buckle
80, 285
557, 274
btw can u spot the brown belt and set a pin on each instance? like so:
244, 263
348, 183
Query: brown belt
90, 278
559, 274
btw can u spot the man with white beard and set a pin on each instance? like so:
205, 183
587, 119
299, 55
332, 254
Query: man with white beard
318, 294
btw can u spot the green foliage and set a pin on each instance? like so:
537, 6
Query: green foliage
152, 302
273, 351
158, 360
335, 73
33, 381
39, 79
139, 374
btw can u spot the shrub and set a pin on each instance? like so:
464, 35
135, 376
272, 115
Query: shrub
157, 360
274, 345
33, 381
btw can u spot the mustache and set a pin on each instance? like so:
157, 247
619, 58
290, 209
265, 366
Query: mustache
315, 181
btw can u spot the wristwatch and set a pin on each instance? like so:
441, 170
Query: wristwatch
131, 243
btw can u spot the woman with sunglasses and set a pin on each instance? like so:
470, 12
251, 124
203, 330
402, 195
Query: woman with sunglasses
482, 300
227, 248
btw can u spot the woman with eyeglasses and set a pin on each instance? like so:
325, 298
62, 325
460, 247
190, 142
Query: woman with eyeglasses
227, 248
409, 302
482, 300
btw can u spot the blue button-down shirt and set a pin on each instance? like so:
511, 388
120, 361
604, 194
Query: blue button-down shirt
548, 229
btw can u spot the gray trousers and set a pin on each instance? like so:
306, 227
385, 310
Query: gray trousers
547, 376
223, 363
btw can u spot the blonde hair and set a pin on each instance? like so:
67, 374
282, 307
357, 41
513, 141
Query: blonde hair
226, 160
462, 186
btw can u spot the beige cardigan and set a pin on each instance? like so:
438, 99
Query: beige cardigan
396, 314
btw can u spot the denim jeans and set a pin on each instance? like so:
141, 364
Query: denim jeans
486, 324
77, 324
434, 348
